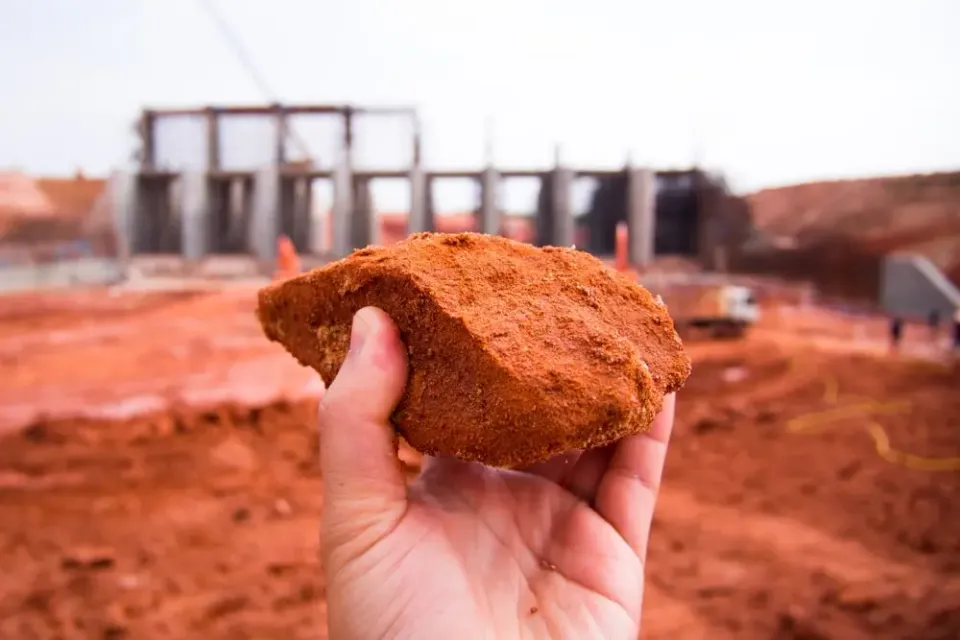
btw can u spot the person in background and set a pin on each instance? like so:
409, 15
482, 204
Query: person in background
896, 332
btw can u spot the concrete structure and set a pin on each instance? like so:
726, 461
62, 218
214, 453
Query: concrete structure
265, 220
641, 199
912, 286
213, 210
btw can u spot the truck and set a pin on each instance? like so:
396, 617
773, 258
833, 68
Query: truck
695, 301
723, 310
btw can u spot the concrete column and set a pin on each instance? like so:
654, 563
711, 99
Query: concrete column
428, 205
288, 209
489, 202
421, 213
305, 208
281, 139
320, 243
543, 216
237, 210
302, 219
641, 215
194, 214
219, 229
341, 210
123, 200
162, 220
213, 139
363, 231
247, 201
561, 223
265, 214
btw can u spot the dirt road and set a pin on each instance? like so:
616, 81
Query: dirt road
155, 483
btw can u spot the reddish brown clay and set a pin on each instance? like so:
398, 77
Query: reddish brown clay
516, 353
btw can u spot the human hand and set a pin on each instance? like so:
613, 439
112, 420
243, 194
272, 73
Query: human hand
468, 551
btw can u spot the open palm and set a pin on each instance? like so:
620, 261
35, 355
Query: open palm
467, 551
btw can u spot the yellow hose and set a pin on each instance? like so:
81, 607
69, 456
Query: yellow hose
864, 407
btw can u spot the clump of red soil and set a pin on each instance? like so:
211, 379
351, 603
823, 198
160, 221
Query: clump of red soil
516, 353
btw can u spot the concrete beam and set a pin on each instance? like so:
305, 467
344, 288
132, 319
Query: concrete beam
641, 215
489, 221
264, 226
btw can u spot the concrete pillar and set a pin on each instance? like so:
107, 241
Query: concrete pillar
288, 209
163, 230
218, 238
428, 205
363, 231
213, 139
237, 212
194, 214
280, 152
421, 211
320, 241
561, 222
246, 212
641, 215
265, 215
305, 208
124, 203
341, 210
489, 221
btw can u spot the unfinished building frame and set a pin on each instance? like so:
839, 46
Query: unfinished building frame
208, 208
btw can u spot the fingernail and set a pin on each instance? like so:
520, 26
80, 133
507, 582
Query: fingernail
360, 331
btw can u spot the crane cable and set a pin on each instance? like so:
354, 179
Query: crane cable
245, 59
865, 408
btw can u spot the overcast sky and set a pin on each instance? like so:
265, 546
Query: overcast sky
767, 92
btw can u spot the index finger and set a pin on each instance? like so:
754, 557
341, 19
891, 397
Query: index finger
628, 491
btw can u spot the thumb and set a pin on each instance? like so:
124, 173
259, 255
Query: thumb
363, 482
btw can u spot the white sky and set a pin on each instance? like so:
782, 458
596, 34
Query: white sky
766, 92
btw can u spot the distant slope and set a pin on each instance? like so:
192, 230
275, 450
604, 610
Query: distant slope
842, 229
39, 213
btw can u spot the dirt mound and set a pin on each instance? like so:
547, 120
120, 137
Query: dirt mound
72, 197
868, 208
839, 231
40, 214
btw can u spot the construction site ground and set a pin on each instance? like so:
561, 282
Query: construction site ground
158, 478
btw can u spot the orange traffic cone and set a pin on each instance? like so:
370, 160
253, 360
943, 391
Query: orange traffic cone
622, 247
288, 262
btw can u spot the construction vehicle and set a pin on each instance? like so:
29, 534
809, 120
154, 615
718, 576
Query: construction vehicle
696, 302
724, 310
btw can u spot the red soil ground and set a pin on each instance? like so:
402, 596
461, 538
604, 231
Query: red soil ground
158, 478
